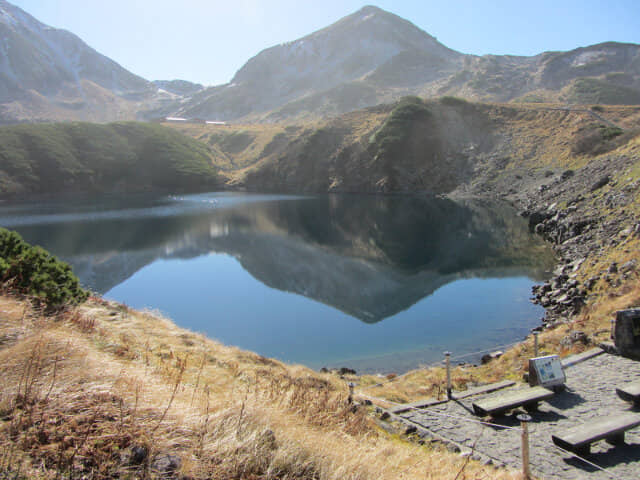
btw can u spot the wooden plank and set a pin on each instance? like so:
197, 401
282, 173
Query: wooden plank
630, 392
492, 387
405, 407
612, 428
572, 360
508, 400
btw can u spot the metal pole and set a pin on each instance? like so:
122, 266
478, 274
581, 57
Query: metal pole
524, 423
535, 344
447, 361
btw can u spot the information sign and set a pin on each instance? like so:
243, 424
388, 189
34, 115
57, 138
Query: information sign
546, 371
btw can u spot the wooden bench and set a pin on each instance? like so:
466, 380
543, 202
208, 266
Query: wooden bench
611, 429
630, 393
498, 404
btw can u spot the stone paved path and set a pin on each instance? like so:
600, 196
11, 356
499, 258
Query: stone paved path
590, 394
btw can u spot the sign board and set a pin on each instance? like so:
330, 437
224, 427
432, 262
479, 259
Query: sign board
546, 371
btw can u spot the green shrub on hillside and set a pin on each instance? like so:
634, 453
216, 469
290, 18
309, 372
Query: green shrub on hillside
591, 90
32, 271
129, 156
596, 140
232, 142
396, 129
453, 101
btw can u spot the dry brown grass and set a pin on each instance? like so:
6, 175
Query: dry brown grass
82, 392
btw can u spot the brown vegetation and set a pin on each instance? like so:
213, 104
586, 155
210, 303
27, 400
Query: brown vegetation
102, 391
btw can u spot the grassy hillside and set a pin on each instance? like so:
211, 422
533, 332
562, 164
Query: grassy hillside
103, 392
84, 157
237, 147
592, 90
415, 145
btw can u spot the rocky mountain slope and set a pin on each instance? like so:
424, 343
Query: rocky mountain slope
367, 58
368, 43
51, 74
373, 57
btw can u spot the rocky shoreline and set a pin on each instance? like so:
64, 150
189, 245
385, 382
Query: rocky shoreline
585, 214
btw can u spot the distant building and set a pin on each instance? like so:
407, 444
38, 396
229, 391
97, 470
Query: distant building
175, 119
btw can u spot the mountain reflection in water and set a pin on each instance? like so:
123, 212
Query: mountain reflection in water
367, 256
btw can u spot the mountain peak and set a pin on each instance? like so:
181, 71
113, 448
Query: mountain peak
53, 67
370, 10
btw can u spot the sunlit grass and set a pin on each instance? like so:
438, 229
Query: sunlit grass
81, 390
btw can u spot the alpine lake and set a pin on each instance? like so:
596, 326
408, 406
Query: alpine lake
374, 283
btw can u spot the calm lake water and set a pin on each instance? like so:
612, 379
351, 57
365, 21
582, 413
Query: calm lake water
374, 283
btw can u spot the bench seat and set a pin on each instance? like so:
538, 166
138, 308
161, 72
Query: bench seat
580, 438
510, 399
630, 393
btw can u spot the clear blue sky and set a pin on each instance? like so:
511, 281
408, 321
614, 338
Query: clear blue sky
206, 41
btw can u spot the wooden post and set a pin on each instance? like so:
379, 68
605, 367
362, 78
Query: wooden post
613, 329
447, 361
535, 344
524, 423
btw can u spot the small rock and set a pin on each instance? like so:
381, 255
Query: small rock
491, 356
600, 183
411, 429
628, 266
166, 464
591, 282
385, 416
346, 371
626, 232
613, 268
136, 455
453, 448
577, 336
559, 270
567, 174
572, 284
